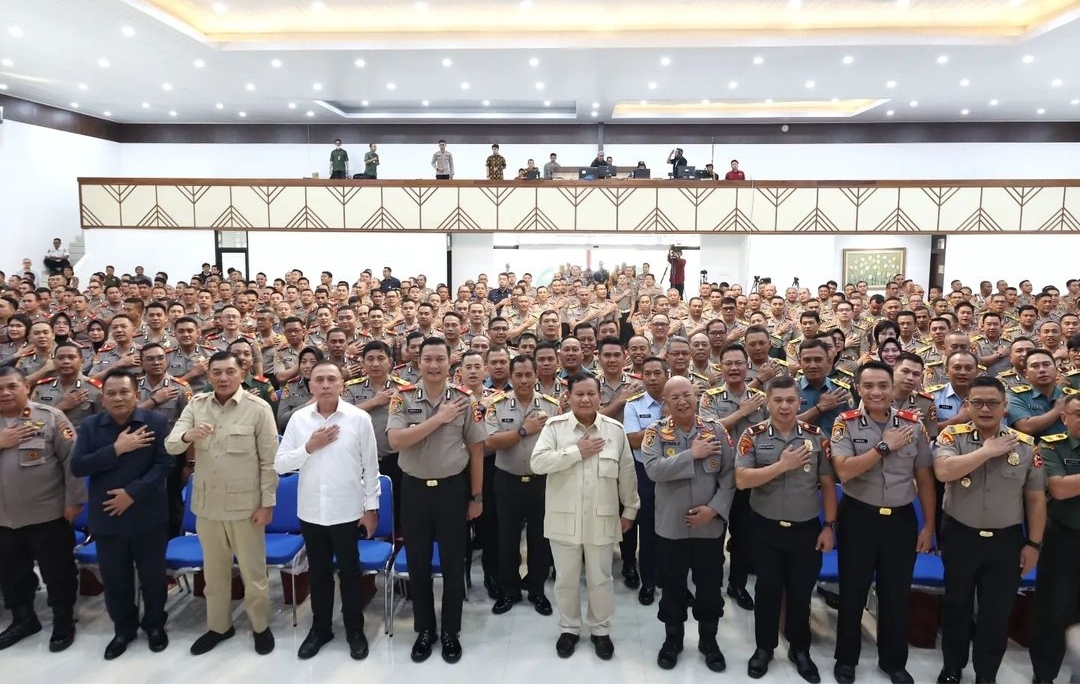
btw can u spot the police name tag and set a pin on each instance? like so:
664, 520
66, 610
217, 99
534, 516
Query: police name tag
414, 410
859, 440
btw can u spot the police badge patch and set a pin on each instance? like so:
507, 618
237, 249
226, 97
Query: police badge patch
396, 402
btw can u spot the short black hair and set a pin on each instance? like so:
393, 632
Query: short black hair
987, 381
434, 341
908, 356
578, 377
376, 345
519, 359
781, 382
121, 373
873, 365
223, 356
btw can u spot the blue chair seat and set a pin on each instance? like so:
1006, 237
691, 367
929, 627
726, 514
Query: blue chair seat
374, 554
401, 562
80, 537
929, 571
830, 568
282, 548
87, 555
184, 552
1027, 581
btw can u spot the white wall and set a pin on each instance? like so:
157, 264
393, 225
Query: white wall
179, 252
39, 197
1044, 259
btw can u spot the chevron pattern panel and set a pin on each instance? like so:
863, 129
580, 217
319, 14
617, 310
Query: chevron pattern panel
645, 206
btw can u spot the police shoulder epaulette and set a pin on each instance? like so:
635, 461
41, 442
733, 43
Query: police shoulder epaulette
758, 428
754, 390
396, 380
780, 361
922, 350
282, 346
259, 378
550, 398
108, 347
908, 415
1055, 438
850, 415
46, 381
1068, 390
845, 372
295, 378
812, 429
99, 383
463, 389
925, 395
841, 383
1020, 389
636, 396
713, 391
1026, 439
638, 377
977, 337
406, 388
496, 397
354, 381
934, 388
961, 428
934, 363
399, 367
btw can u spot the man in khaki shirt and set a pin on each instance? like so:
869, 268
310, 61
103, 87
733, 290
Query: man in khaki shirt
234, 491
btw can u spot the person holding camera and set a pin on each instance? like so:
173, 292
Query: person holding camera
678, 268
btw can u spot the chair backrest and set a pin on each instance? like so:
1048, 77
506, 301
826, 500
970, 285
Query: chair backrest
917, 505
82, 520
189, 517
285, 519
385, 527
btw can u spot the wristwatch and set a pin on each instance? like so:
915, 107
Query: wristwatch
829, 524
522, 433
1037, 546
883, 448
478, 498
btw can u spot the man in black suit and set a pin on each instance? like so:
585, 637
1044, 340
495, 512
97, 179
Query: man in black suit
122, 449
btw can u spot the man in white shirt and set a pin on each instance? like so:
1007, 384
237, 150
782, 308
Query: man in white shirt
56, 258
332, 444
590, 470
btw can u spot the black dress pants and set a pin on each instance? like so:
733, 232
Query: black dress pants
324, 544
120, 558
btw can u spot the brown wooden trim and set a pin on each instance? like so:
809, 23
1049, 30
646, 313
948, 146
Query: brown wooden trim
28, 112
616, 183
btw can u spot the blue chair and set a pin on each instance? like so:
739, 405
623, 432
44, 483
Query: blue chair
376, 553
929, 571
830, 563
285, 549
183, 554
399, 570
81, 526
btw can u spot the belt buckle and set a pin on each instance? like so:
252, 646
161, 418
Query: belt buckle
785, 524
526, 478
432, 483
885, 511
986, 534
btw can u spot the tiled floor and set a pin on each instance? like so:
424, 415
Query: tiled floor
514, 648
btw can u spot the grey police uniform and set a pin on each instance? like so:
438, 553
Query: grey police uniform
179, 364
109, 354
172, 408
294, 394
50, 391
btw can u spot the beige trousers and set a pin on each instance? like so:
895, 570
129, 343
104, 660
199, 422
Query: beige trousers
599, 587
220, 540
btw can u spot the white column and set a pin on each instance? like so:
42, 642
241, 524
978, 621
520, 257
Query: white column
471, 254
724, 256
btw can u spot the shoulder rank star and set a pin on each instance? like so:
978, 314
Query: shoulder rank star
1014, 459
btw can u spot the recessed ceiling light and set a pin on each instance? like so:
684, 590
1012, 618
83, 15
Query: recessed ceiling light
665, 61
107, 113
6, 63
759, 60
145, 105
199, 64
424, 103
364, 103
421, 7
525, 4
292, 106
994, 102
15, 32
464, 85
848, 59
318, 6
103, 63
534, 62
890, 84
75, 105
3, 87
539, 85
220, 106
1040, 111
643, 102
965, 82
1027, 59
795, 4
172, 113
390, 86
166, 87
914, 103
768, 101
486, 103
943, 59
220, 8
310, 113
446, 62
275, 63
889, 113
965, 112
127, 31
810, 83
733, 85
83, 87
652, 85
1056, 83
704, 101
317, 86
360, 63
242, 113
547, 103
1074, 101
595, 105
834, 100
903, 3
250, 87
594, 113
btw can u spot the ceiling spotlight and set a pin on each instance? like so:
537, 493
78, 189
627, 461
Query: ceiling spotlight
15, 32
107, 113
172, 113
889, 113
994, 102
103, 63
390, 86
75, 105
768, 101
317, 86
363, 103
810, 83
360, 63
595, 106
486, 103
1056, 83
539, 85
834, 100
145, 106
250, 87
424, 103
965, 112
292, 106
3, 87
1040, 111
220, 106
1027, 59
242, 113
890, 84
534, 62
848, 59
275, 63
547, 103
1074, 101
7, 62
704, 101
421, 7
594, 113
446, 62
199, 64
965, 82
83, 87
903, 3
759, 60
652, 85
733, 85
795, 4
914, 103
464, 85
310, 113
665, 61
318, 6
525, 4
166, 87
643, 102
127, 31
220, 8
943, 59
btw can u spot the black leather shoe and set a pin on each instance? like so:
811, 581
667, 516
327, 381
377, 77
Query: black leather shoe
22, 626
62, 638
804, 665
949, 676
631, 577
714, 658
897, 675
564, 646
358, 645
504, 604
264, 641
209, 640
541, 604
605, 649
451, 647
668, 656
832, 600
117, 646
491, 584
844, 673
421, 649
157, 640
741, 597
758, 665
313, 643
647, 595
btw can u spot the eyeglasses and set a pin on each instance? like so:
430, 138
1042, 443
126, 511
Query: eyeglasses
988, 404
